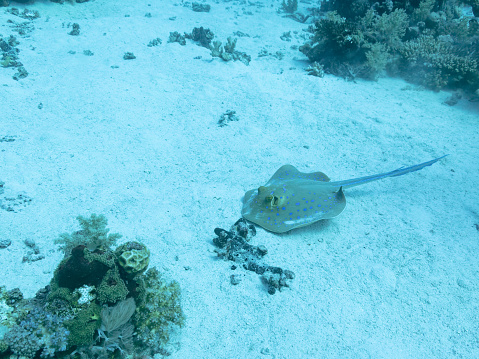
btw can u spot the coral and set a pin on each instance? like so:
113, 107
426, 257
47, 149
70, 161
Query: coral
154, 42
159, 311
76, 270
202, 36
5, 308
427, 41
315, 69
376, 59
22, 342
336, 37
59, 298
39, 330
228, 52
84, 325
175, 36
114, 317
197, 7
104, 256
75, 30
133, 257
347, 8
3, 346
422, 12
389, 29
129, 56
432, 63
116, 331
67, 315
227, 117
86, 294
93, 234
112, 288
289, 6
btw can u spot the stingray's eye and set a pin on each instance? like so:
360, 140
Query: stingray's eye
271, 200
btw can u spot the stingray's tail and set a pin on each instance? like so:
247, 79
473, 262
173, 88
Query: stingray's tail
399, 172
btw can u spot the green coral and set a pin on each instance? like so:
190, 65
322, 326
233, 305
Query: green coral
389, 29
158, 310
105, 256
377, 58
83, 327
93, 234
133, 257
422, 12
3, 346
5, 309
60, 293
112, 288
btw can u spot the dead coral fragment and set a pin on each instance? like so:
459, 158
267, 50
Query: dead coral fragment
175, 36
315, 69
202, 36
228, 52
227, 117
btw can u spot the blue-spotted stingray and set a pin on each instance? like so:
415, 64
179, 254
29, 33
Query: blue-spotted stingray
293, 199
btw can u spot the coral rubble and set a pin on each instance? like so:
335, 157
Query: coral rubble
233, 245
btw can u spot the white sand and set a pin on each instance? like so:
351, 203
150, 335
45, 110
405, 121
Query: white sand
394, 276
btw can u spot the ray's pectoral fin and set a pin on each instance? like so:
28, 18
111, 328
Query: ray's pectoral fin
339, 204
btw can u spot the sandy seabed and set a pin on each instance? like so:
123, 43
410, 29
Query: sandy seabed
394, 276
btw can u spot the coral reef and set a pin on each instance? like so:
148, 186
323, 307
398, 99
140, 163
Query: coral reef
430, 42
100, 303
233, 245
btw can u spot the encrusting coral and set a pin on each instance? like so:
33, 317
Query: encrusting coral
99, 304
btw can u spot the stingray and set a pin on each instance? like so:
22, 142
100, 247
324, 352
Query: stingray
293, 199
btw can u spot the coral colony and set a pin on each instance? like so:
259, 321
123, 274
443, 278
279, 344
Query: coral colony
100, 303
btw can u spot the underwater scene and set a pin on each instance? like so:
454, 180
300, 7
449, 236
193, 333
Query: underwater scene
239, 179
